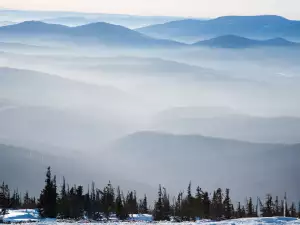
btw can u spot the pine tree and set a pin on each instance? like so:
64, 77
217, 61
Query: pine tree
293, 210
144, 205
206, 206
239, 211
250, 208
108, 200
267, 208
48, 197
120, 209
199, 210
166, 205
217, 205
227, 205
158, 208
4, 198
277, 211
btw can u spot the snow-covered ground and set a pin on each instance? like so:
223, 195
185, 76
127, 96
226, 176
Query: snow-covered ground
28, 216
21, 215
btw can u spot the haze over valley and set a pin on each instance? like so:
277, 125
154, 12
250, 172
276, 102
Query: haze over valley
148, 100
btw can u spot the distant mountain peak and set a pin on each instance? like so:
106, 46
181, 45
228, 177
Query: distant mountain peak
234, 41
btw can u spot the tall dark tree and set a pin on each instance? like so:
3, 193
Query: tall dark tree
250, 208
4, 198
144, 205
228, 213
206, 205
239, 211
217, 205
277, 210
166, 205
108, 200
120, 209
198, 203
293, 210
15, 201
48, 197
158, 208
268, 208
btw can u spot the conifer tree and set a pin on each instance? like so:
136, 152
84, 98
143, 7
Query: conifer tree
120, 209
277, 209
144, 206
250, 208
108, 200
267, 208
227, 205
4, 198
206, 205
293, 210
239, 211
158, 208
48, 197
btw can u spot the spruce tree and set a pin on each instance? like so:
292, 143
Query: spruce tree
267, 208
4, 198
227, 205
48, 197
120, 209
293, 210
250, 208
158, 208
144, 208
166, 205
277, 211
206, 205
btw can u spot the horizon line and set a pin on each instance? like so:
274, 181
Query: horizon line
138, 15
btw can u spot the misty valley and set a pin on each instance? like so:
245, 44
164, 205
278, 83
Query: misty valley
145, 101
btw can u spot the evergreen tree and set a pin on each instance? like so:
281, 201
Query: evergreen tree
206, 206
277, 209
158, 208
15, 201
228, 213
250, 208
108, 200
217, 205
199, 209
166, 205
239, 211
120, 209
63, 201
267, 208
48, 197
293, 210
4, 198
144, 205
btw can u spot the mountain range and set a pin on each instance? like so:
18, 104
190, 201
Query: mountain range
232, 41
257, 27
226, 123
171, 160
95, 33
175, 160
117, 36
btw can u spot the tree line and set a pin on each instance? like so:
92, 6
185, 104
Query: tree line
71, 202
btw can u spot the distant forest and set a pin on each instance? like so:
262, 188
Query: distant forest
70, 202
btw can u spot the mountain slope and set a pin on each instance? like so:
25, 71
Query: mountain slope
101, 33
246, 168
247, 26
24, 169
232, 41
218, 122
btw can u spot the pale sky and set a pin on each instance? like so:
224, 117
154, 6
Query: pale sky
193, 8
